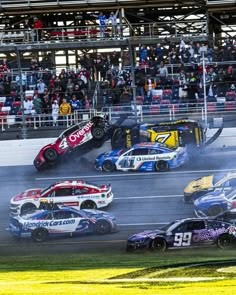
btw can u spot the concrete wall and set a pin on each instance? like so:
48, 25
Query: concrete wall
23, 152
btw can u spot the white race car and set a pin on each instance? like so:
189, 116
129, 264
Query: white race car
75, 193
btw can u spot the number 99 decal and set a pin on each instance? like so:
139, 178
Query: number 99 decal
182, 239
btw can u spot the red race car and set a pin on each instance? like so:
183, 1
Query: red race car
84, 135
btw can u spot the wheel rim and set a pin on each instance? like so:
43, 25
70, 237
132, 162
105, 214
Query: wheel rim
224, 242
50, 154
161, 166
158, 245
108, 166
102, 227
98, 133
40, 235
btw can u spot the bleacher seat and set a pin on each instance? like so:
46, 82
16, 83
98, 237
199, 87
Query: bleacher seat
154, 109
230, 95
220, 106
166, 96
165, 101
230, 106
164, 108
211, 106
29, 94
139, 99
167, 91
9, 101
16, 103
6, 109
3, 116
146, 109
156, 99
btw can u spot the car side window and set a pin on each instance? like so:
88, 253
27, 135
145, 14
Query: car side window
139, 152
155, 152
80, 191
232, 182
63, 192
191, 225
62, 215
46, 216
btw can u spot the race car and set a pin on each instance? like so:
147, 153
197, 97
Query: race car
203, 185
185, 233
83, 136
215, 202
149, 156
228, 216
41, 224
75, 193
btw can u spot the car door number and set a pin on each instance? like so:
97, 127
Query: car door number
182, 239
63, 144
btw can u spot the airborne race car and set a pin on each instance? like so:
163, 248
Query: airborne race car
84, 136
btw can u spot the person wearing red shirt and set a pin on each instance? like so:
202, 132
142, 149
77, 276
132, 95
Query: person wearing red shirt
37, 25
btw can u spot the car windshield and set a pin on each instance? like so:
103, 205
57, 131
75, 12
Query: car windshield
170, 226
121, 152
230, 194
217, 179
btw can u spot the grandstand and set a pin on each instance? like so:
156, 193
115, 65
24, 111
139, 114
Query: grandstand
71, 31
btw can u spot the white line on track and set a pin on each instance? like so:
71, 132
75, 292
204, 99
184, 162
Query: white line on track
133, 174
149, 197
141, 224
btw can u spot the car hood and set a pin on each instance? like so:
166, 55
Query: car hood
146, 234
96, 213
199, 184
28, 194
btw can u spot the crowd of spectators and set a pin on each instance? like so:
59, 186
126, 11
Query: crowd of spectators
175, 67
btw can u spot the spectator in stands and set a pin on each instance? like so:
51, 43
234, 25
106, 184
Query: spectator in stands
159, 53
143, 52
37, 104
28, 107
47, 109
102, 23
7, 84
86, 103
65, 109
40, 87
113, 21
163, 72
55, 112
75, 103
27, 30
37, 25
69, 87
32, 79
173, 56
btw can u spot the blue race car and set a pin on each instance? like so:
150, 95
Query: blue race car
146, 156
215, 202
185, 233
41, 224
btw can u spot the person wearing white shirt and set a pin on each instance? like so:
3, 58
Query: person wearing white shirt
113, 21
55, 112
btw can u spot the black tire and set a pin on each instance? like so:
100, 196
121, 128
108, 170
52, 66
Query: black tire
224, 241
214, 210
108, 166
27, 208
39, 235
118, 139
88, 205
102, 227
50, 155
161, 166
159, 245
98, 133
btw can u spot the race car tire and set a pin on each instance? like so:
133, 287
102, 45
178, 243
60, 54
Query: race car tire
224, 241
50, 155
39, 234
159, 244
27, 208
98, 133
161, 166
108, 166
88, 205
214, 210
118, 139
102, 227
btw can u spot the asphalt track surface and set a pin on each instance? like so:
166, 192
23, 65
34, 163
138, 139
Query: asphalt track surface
141, 200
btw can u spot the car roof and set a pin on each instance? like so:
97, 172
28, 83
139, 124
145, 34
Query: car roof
72, 183
150, 145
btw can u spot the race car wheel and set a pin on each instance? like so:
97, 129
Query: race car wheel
102, 227
108, 166
162, 166
39, 234
88, 205
50, 155
224, 241
159, 245
98, 133
27, 208
214, 210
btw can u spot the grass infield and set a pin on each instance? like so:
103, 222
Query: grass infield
181, 272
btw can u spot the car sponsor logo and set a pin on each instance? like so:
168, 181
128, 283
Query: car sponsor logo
78, 135
152, 158
43, 223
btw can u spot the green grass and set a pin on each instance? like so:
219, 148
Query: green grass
172, 273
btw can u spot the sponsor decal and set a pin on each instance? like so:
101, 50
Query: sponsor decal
207, 234
43, 223
128, 138
78, 135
